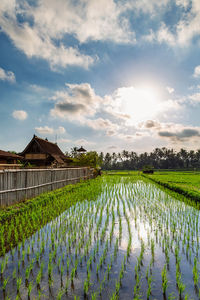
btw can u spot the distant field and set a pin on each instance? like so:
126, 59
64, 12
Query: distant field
121, 172
186, 183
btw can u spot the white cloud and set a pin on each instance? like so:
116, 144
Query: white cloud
102, 124
147, 7
83, 142
183, 3
64, 141
180, 34
131, 137
195, 98
79, 103
150, 37
174, 132
80, 142
38, 89
45, 130
197, 71
34, 40
180, 133
149, 124
189, 26
164, 35
142, 103
43, 27
86, 20
20, 115
75, 102
60, 130
7, 75
121, 116
170, 89
114, 113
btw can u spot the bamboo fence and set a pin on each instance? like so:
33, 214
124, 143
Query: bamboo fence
18, 185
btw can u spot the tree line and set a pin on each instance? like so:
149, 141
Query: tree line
159, 158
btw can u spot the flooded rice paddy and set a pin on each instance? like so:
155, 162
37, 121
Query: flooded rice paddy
133, 242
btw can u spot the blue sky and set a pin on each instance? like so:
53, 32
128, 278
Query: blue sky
107, 75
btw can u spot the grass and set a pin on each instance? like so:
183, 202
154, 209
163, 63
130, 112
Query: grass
20, 221
184, 183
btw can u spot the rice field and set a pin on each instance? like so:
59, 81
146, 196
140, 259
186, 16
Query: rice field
186, 183
125, 239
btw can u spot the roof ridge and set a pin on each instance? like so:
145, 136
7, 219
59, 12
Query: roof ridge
45, 146
45, 140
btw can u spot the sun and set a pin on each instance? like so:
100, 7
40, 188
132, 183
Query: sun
140, 103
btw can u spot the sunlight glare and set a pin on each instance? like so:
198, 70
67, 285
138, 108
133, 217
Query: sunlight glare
141, 103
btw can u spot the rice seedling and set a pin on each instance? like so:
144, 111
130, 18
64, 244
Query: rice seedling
3, 266
72, 275
86, 236
5, 282
180, 285
94, 296
50, 270
14, 274
30, 287
86, 287
152, 248
117, 288
195, 272
38, 279
60, 294
27, 273
164, 279
147, 273
19, 282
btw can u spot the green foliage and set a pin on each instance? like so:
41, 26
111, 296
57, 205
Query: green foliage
91, 159
184, 183
159, 158
164, 279
35, 213
148, 168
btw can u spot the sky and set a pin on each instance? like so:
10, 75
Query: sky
107, 75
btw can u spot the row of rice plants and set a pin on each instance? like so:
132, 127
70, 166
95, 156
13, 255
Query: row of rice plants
184, 183
22, 220
133, 241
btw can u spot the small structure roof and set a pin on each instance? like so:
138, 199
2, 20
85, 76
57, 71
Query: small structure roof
6, 154
46, 147
81, 149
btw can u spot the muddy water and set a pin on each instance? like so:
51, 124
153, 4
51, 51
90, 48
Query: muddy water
80, 245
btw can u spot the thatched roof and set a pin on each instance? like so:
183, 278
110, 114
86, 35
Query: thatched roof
9, 155
49, 148
81, 149
45, 147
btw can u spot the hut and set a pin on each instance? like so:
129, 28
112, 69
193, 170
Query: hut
42, 153
9, 160
81, 150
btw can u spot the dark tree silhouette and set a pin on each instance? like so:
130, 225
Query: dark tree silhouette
159, 158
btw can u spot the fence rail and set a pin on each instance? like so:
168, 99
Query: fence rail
18, 185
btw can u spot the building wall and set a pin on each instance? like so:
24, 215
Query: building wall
3, 161
8, 161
